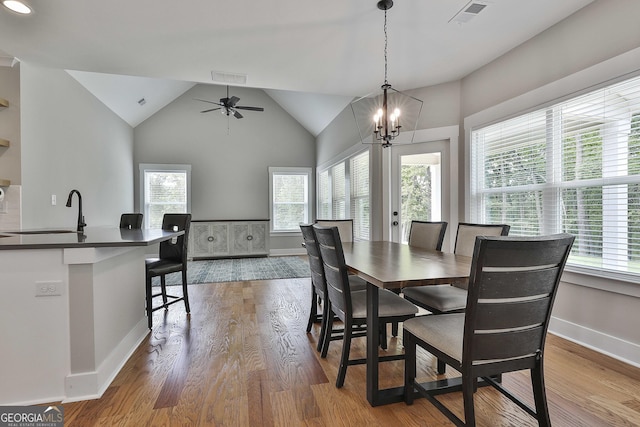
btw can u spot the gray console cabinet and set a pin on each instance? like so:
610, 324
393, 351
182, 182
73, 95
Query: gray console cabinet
225, 239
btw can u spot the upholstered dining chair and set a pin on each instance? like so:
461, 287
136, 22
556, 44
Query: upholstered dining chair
512, 287
132, 221
345, 227
319, 286
351, 307
426, 235
172, 258
440, 299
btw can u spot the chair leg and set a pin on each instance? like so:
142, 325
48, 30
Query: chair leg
313, 312
394, 329
149, 300
327, 333
540, 395
323, 325
346, 349
163, 286
409, 367
469, 384
383, 336
185, 291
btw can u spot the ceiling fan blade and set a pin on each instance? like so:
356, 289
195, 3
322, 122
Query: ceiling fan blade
237, 115
210, 102
212, 109
239, 107
233, 101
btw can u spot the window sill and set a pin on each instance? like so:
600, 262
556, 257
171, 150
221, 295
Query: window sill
619, 283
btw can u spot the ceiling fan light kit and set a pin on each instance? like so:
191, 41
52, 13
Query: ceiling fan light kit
388, 116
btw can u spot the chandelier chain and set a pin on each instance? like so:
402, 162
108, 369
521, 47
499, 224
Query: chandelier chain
385, 47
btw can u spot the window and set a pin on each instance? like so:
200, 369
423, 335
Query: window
324, 196
343, 193
359, 177
571, 167
164, 189
289, 197
338, 192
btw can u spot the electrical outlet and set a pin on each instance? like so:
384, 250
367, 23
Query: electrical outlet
48, 288
53, 200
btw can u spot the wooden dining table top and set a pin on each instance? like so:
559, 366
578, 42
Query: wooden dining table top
392, 265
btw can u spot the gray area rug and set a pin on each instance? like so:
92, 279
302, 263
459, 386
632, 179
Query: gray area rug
240, 269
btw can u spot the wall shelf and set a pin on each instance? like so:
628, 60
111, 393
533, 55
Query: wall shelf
4, 143
4, 103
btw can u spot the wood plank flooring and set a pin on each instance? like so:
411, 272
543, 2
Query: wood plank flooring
243, 358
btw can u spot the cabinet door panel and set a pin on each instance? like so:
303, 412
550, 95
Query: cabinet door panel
260, 238
220, 234
241, 239
200, 243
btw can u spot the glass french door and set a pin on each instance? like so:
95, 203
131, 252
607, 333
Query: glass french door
420, 186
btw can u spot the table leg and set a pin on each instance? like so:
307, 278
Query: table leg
373, 340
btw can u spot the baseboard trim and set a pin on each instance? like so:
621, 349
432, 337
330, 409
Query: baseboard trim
609, 345
92, 385
286, 252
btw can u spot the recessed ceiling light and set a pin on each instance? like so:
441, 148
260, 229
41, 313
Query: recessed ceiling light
17, 6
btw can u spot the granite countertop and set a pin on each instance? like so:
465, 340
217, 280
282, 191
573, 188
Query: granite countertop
92, 237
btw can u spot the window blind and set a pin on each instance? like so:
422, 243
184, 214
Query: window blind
338, 191
571, 167
359, 195
165, 192
324, 195
290, 201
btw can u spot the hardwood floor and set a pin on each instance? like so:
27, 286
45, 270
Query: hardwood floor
244, 359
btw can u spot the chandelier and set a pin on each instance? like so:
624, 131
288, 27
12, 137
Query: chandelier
380, 117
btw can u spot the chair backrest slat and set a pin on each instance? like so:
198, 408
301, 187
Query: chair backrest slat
427, 235
512, 286
315, 260
335, 270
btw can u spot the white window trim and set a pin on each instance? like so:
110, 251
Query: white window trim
606, 73
310, 196
157, 167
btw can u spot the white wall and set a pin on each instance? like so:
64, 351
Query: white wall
599, 43
71, 140
229, 176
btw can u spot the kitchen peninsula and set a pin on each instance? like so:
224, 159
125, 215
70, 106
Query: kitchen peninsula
72, 310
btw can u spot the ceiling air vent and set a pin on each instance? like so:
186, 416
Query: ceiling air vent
229, 78
468, 12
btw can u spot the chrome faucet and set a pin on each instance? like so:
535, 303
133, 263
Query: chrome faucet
81, 223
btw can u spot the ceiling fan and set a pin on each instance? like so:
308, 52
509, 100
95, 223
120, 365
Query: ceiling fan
229, 106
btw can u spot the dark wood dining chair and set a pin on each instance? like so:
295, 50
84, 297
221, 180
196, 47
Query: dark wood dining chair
172, 258
131, 221
351, 307
319, 285
512, 287
439, 299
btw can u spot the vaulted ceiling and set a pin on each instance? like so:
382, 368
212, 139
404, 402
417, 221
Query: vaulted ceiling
311, 57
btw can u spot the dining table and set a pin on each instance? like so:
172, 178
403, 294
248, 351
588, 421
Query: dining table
390, 265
